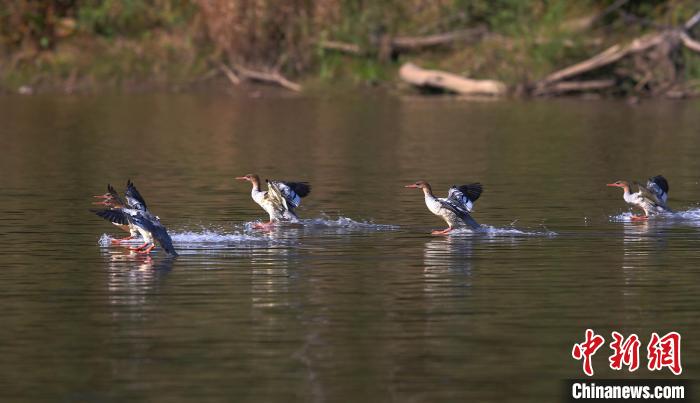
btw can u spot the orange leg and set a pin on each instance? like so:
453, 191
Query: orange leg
147, 250
265, 225
441, 232
120, 240
139, 247
639, 217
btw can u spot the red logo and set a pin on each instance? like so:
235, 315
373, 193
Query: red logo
586, 350
626, 352
665, 352
662, 352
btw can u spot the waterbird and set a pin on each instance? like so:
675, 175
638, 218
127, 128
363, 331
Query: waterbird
455, 209
134, 214
279, 200
651, 198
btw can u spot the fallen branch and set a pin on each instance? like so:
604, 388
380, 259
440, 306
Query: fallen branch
578, 86
232, 77
444, 81
254, 75
271, 78
608, 56
342, 47
692, 21
690, 43
414, 43
399, 44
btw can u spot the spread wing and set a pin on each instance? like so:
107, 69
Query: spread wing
460, 210
274, 194
158, 230
294, 191
134, 198
161, 235
646, 193
290, 193
465, 195
115, 195
113, 215
658, 185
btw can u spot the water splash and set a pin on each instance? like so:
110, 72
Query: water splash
692, 214
204, 237
347, 223
491, 231
325, 222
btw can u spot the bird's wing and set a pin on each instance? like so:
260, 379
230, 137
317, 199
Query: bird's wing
151, 224
277, 196
465, 195
460, 210
658, 185
115, 195
134, 198
294, 191
160, 233
113, 215
647, 194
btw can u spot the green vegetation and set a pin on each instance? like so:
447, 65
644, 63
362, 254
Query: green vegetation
84, 45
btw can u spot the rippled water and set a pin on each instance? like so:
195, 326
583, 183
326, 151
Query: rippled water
359, 303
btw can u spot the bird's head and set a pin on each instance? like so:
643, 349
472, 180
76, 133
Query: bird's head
619, 184
419, 185
252, 178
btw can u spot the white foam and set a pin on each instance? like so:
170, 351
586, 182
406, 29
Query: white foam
505, 232
692, 214
348, 223
204, 237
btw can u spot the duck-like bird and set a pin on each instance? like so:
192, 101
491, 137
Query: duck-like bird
650, 198
128, 227
133, 213
279, 200
454, 208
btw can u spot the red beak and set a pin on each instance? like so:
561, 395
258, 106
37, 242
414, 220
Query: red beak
411, 186
241, 178
615, 185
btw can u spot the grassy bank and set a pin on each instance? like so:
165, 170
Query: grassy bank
91, 45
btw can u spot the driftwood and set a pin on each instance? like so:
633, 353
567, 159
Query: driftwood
416, 43
690, 43
449, 82
342, 47
608, 56
236, 74
654, 68
580, 86
387, 44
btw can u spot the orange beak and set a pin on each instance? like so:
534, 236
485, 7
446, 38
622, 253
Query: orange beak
411, 186
241, 178
615, 185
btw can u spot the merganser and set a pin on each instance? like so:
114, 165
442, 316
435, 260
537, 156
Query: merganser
135, 214
128, 227
279, 200
454, 208
650, 198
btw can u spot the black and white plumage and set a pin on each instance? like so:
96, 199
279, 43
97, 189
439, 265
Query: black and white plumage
280, 199
651, 198
134, 212
455, 209
658, 185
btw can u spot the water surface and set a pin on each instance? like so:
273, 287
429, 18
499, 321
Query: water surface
361, 303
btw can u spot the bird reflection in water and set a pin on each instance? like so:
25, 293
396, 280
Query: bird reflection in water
447, 264
132, 276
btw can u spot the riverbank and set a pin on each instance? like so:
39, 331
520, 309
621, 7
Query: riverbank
180, 46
